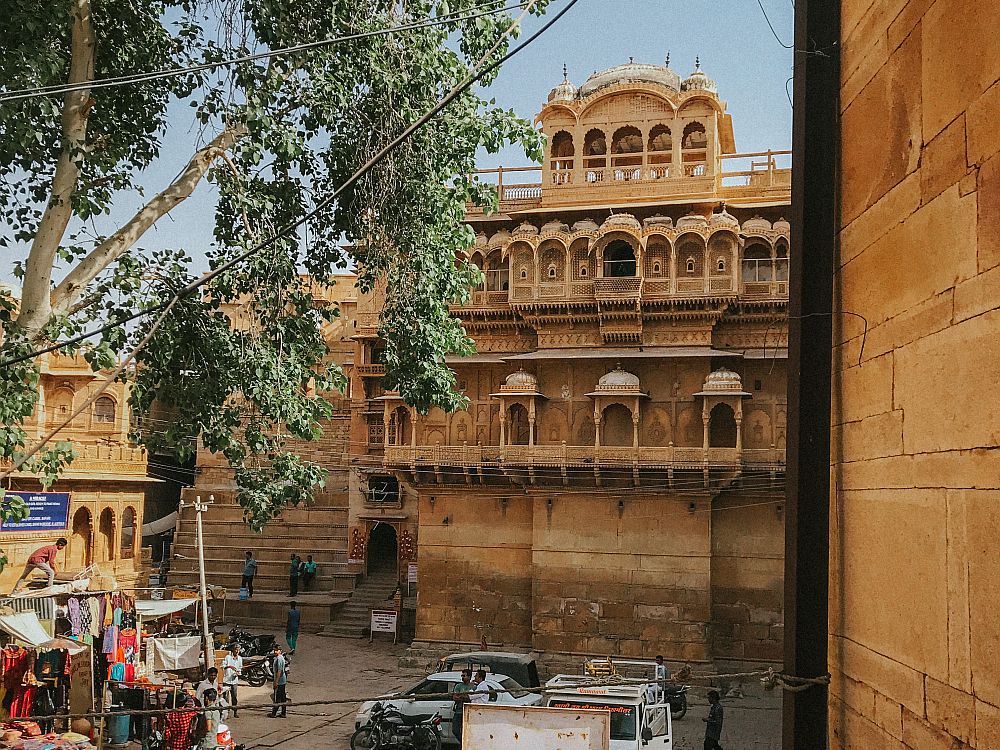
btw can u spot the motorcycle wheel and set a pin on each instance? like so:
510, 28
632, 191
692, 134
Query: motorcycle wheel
678, 712
255, 679
363, 739
426, 738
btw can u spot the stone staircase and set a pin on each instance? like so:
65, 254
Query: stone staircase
319, 530
354, 618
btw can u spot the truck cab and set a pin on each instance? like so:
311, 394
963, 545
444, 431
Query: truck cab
638, 720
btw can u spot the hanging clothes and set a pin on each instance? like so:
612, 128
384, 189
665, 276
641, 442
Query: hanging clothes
110, 640
108, 611
96, 615
75, 618
22, 702
16, 662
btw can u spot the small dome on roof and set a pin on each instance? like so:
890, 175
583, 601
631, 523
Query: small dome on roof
692, 221
618, 380
585, 225
555, 226
658, 220
723, 380
522, 381
632, 72
622, 220
756, 225
481, 240
565, 91
724, 219
698, 81
781, 226
526, 228
499, 238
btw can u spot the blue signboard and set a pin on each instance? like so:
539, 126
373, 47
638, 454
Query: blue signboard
47, 511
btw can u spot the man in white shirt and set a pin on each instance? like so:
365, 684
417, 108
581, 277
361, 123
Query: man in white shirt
232, 666
661, 674
211, 682
481, 692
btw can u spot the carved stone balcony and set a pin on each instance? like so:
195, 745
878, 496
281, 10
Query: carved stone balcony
370, 370
558, 456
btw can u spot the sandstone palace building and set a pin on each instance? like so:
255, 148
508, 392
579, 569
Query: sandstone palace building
615, 484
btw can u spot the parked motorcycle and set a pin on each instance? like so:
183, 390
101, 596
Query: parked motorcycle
388, 728
252, 645
259, 671
676, 696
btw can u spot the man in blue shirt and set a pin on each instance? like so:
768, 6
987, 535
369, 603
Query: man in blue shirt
249, 571
292, 627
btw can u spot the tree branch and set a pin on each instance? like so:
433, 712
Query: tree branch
35, 304
88, 269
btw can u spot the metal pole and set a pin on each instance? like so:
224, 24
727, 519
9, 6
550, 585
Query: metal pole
207, 646
815, 158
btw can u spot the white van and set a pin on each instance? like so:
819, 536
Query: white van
638, 722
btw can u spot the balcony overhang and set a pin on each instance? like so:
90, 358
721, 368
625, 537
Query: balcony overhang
646, 352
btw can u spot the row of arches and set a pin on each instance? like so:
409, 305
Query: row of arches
59, 404
625, 256
629, 139
112, 540
617, 428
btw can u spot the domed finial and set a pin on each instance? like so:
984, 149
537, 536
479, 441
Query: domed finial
697, 63
565, 73
631, 59
667, 64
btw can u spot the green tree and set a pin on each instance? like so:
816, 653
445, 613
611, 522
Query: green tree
277, 134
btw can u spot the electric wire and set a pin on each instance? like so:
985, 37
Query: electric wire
478, 71
56, 89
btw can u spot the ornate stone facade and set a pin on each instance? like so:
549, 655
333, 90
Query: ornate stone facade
614, 485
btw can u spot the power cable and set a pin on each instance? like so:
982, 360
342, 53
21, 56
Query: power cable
98, 83
771, 27
466, 83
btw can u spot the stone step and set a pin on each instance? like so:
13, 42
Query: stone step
234, 514
265, 557
340, 582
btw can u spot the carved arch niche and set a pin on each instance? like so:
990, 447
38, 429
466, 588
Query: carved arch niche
655, 428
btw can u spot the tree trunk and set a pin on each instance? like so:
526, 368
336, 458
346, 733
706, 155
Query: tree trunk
35, 304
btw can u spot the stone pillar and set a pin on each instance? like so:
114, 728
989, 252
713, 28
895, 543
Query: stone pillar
677, 159
635, 429
503, 423
531, 422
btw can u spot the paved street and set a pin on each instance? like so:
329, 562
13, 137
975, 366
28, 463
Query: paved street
337, 668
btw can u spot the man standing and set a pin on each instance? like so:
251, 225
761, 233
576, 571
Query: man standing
292, 627
713, 729
481, 692
232, 666
249, 571
661, 674
279, 684
44, 559
308, 572
211, 682
294, 568
461, 696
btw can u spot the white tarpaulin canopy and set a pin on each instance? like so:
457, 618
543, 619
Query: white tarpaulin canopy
161, 607
173, 653
26, 627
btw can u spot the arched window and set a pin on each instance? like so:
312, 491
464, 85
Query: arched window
496, 272
595, 143
552, 258
59, 405
627, 140
518, 427
616, 426
106, 535
619, 259
781, 261
694, 136
656, 269
562, 145
722, 427
720, 265
400, 429
690, 265
756, 264
583, 271
79, 555
129, 531
660, 140
104, 411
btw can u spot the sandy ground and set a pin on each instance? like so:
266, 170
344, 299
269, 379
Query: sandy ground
340, 669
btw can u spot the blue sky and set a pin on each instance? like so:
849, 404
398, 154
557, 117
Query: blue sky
731, 37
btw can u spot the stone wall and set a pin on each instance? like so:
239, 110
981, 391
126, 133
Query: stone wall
576, 573
915, 578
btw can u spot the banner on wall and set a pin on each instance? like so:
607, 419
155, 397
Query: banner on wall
47, 511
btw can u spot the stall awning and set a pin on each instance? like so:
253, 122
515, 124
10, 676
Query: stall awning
161, 607
160, 525
26, 627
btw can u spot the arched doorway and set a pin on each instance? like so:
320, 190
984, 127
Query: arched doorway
616, 426
520, 429
79, 555
400, 429
106, 535
383, 551
722, 427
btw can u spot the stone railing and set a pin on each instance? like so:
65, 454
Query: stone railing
370, 371
102, 459
471, 456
